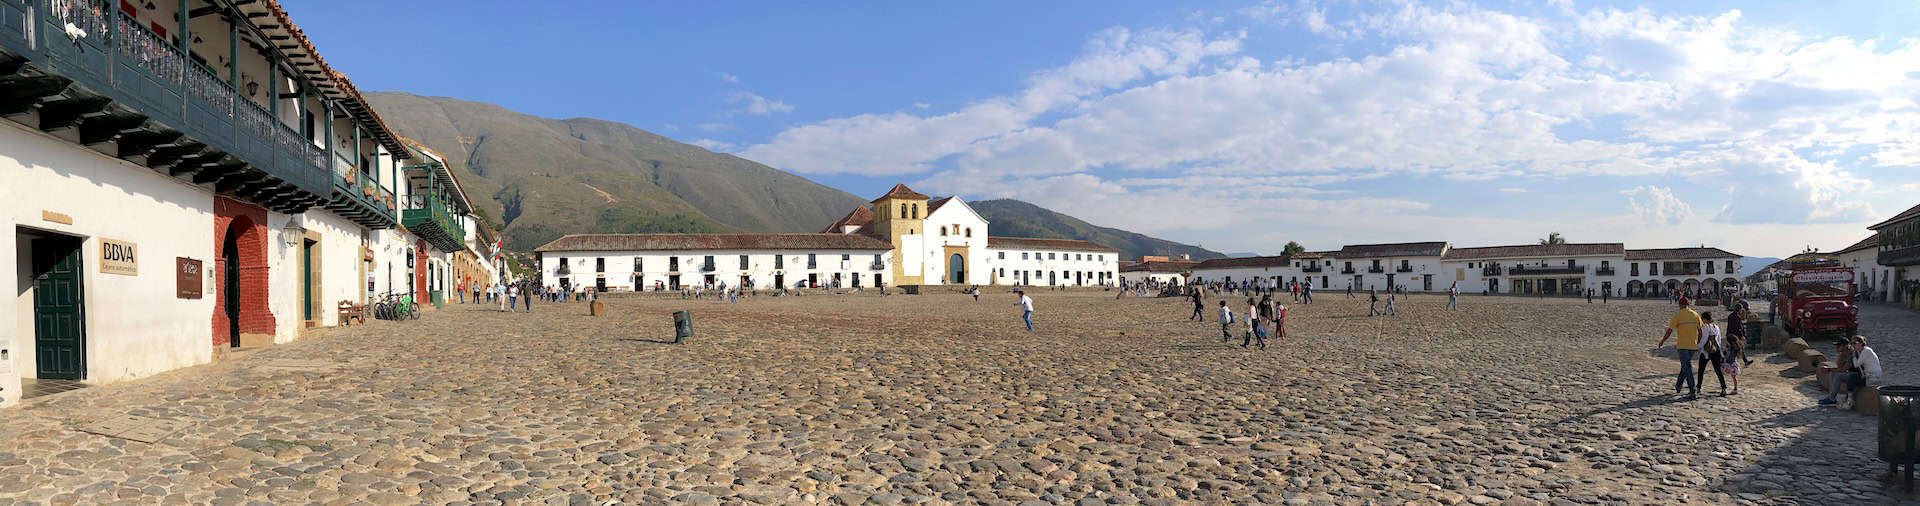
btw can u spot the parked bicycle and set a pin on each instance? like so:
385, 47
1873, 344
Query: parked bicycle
393, 306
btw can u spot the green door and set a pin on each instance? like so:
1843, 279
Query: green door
59, 330
306, 280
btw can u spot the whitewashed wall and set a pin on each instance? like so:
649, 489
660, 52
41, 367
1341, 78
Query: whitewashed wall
135, 326
1006, 264
619, 272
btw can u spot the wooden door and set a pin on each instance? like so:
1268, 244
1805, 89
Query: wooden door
59, 324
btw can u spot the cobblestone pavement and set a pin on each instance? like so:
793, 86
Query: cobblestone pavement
937, 398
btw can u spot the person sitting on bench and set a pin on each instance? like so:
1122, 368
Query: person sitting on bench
1865, 371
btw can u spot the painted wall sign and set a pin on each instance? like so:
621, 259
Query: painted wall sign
186, 272
60, 218
119, 257
1822, 277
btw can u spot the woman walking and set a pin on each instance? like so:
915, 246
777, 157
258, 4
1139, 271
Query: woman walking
1712, 350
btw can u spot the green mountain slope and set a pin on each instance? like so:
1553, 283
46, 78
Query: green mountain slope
1013, 218
537, 178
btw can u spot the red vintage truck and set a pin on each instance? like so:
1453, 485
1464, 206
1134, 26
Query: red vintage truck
1817, 297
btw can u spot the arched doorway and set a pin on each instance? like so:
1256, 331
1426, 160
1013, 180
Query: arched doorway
240, 235
1633, 289
956, 269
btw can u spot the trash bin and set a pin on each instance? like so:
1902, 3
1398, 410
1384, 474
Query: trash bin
1899, 406
682, 325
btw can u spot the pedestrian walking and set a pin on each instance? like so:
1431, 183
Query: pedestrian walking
1373, 300
1256, 314
1453, 297
1226, 322
1306, 293
1685, 329
1349, 290
1390, 298
1026, 309
1712, 348
529, 301
1589, 295
1603, 296
1737, 334
462, 290
476, 293
1279, 321
1196, 308
513, 292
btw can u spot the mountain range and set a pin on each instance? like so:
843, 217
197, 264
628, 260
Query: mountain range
536, 179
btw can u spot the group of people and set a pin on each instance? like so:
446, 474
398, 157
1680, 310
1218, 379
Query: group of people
1703, 346
1262, 312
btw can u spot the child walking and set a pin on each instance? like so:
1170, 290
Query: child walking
1226, 323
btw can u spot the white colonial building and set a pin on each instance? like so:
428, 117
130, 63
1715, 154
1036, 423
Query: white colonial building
186, 185
657, 262
1537, 269
901, 238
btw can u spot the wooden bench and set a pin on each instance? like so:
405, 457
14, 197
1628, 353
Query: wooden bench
349, 311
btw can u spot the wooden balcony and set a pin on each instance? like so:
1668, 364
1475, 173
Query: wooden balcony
1909, 255
128, 93
1550, 270
430, 218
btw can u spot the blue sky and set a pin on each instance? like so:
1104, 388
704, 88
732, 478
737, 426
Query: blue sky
1762, 128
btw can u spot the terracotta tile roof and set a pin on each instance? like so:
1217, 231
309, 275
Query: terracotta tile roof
1055, 244
442, 170
1242, 262
1871, 242
1159, 266
1678, 254
1404, 249
1304, 255
331, 83
1911, 212
859, 217
697, 242
901, 191
1537, 250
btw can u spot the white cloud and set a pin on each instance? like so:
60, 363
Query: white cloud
1657, 205
757, 105
729, 77
713, 145
921, 105
1513, 190
1760, 125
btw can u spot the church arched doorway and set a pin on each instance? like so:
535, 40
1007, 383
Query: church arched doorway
956, 269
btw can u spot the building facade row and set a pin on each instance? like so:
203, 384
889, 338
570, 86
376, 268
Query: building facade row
181, 185
901, 238
1559, 269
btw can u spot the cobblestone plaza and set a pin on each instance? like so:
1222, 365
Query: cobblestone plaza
937, 398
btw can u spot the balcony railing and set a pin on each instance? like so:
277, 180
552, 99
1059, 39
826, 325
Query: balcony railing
1376, 270
877, 266
1346, 270
120, 60
1311, 268
812, 265
432, 219
1909, 255
1536, 270
359, 186
1603, 271
1490, 272
1403, 268
707, 267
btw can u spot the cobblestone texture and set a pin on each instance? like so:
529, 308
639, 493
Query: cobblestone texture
937, 398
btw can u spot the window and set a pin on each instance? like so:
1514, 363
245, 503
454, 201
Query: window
1729, 267
1569, 263
846, 257
636, 265
1349, 266
1003, 255
943, 231
600, 265
1470, 265
1653, 268
903, 209
1049, 256
743, 262
1709, 267
1376, 264
969, 231
1603, 264
563, 260
916, 211
779, 261
876, 260
1404, 265
811, 263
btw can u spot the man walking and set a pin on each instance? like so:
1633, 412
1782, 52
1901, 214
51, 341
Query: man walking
1226, 322
529, 300
513, 292
1197, 305
1686, 329
1373, 299
462, 289
1390, 297
1453, 297
1589, 295
1306, 293
1026, 309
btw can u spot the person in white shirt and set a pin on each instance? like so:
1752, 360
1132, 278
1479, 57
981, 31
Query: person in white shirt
1712, 353
1866, 371
1226, 322
1453, 297
1026, 309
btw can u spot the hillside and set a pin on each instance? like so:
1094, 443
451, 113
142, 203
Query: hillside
537, 178
1013, 218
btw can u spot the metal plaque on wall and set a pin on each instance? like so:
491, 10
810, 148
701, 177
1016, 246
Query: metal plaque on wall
186, 272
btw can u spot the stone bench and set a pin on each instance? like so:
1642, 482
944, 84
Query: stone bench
1774, 338
1795, 347
1810, 360
1866, 400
